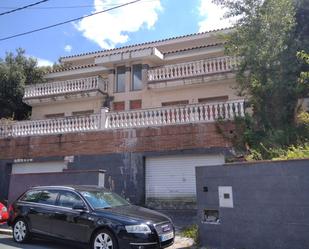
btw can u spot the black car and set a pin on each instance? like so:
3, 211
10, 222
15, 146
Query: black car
90, 215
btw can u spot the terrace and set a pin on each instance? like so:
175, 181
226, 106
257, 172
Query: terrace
173, 115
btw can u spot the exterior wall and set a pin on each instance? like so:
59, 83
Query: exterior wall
192, 93
39, 112
270, 205
152, 98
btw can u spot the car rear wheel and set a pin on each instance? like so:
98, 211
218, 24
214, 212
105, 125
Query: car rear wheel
21, 231
104, 239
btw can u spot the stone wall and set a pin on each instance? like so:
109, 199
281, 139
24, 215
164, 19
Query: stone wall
270, 205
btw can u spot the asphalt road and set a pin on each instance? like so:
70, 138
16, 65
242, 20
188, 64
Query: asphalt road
6, 242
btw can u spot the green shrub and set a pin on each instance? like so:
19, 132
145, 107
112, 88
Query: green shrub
191, 232
294, 152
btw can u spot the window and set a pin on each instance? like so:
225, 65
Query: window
120, 79
31, 196
82, 113
55, 115
180, 102
214, 99
48, 197
135, 104
68, 199
137, 82
118, 106
103, 199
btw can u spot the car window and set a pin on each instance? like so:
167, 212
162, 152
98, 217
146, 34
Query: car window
103, 199
69, 199
31, 196
48, 197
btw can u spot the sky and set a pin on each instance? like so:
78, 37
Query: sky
147, 20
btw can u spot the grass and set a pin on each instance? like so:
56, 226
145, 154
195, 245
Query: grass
191, 232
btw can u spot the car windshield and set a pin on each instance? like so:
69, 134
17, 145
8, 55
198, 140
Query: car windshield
103, 199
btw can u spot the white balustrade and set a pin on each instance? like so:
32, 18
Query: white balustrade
191, 69
68, 86
51, 126
195, 113
172, 115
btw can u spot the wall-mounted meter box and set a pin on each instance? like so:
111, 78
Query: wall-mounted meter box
226, 196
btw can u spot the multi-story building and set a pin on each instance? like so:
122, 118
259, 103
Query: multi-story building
146, 113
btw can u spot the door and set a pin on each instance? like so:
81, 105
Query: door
68, 223
174, 176
40, 213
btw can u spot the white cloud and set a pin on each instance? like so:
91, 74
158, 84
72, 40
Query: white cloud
68, 48
111, 28
213, 15
43, 62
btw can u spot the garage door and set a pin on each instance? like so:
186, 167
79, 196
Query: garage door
38, 167
174, 176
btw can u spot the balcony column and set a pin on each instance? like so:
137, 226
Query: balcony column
104, 120
128, 85
111, 82
145, 69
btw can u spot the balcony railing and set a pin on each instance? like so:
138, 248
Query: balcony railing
196, 113
191, 69
67, 86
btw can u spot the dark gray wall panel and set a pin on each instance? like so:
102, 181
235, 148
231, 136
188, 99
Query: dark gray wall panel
271, 205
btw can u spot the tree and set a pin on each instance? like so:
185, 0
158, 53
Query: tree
267, 36
17, 71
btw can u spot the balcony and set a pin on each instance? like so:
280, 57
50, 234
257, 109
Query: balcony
68, 87
192, 69
174, 115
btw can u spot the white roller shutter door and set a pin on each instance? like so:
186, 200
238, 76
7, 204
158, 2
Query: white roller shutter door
174, 176
38, 167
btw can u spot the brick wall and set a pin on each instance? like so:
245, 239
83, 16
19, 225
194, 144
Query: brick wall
178, 137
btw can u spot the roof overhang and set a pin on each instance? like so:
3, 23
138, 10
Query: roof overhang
149, 54
194, 52
75, 72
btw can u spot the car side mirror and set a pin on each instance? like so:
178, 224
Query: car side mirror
79, 207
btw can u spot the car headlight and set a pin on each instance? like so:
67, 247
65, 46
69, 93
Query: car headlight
142, 228
4, 209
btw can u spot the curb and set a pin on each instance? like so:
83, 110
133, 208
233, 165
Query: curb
6, 231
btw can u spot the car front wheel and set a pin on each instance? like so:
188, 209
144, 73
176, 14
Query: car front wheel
21, 231
104, 239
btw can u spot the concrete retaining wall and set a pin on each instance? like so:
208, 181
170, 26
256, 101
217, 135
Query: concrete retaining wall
19, 183
5, 171
270, 205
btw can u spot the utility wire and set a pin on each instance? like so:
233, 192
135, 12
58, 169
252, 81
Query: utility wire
21, 8
70, 6
68, 21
